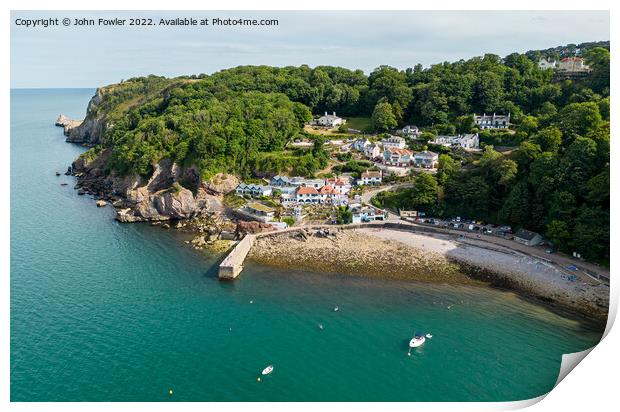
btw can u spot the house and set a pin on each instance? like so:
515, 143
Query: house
329, 195
466, 141
278, 181
265, 213
370, 177
373, 151
394, 141
283, 181
410, 131
367, 214
253, 190
527, 237
329, 120
361, 144
497, 121
307, 194
426, 159
397, 157
544, 64
341, 186
573, 64
315, 183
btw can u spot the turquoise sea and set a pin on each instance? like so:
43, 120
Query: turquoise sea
102, 311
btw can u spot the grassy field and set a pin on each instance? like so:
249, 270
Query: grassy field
359, 123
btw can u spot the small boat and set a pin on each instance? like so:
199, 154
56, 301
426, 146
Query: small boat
418, 340
428, 335
267, 370
336, 309
321, 326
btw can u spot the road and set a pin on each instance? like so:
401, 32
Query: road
368, 195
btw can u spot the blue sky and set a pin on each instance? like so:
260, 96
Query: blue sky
93, 56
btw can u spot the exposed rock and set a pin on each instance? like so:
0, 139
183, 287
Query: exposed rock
81, 192
243, 228
57, 173
101, 203
91, 129
67, 124
162, 196
222, 183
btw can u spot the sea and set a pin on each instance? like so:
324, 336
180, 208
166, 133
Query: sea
107, 311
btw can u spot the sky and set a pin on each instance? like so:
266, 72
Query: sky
98, 55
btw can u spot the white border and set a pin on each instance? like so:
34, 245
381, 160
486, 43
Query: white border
589, 387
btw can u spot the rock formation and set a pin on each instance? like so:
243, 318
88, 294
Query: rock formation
170, 193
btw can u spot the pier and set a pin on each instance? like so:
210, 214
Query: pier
233, 264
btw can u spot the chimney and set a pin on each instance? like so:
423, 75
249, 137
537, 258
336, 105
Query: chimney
334, 113
325, 112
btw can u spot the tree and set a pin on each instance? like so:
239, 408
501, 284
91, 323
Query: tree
464, 124
383, 118
447, 167
549, 139
425, 189
344, 215
558, 234
578, 118
599, 59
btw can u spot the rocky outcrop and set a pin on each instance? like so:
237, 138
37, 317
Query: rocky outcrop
222, 183
89, 131
67, 124
163, 196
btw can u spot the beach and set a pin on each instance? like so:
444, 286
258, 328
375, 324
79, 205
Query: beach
439, 258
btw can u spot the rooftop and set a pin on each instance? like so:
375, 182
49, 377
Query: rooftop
526, 234
307, 190
261, 207
401, 152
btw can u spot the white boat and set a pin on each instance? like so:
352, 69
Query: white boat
267, 370
417, 341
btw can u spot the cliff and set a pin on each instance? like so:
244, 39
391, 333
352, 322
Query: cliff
171, 192
90, 131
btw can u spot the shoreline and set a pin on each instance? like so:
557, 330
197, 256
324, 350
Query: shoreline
435, 258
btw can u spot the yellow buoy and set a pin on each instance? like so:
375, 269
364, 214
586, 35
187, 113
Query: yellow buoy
258, 379
169, 391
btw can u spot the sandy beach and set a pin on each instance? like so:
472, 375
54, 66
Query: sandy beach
403, 255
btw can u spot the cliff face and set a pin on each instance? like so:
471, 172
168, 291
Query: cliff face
90, 131
164, 196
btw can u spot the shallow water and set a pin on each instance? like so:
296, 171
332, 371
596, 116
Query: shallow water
102, 311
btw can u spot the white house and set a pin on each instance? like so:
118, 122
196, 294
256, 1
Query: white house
341, 186
466, 141
394, 142
426, 159
329, 120
544, 64
315, 183
370, 177
373, 151
361, 144
263, 212
306, 194
393, 156
410, 131
496, 121
253, 190
573, 64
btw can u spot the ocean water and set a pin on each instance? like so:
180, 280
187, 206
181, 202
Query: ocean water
102, 311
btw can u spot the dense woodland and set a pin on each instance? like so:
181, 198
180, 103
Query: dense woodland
555, 181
